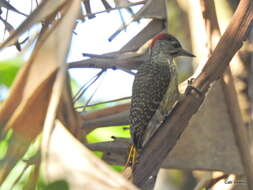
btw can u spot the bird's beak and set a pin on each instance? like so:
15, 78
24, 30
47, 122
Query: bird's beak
186, 53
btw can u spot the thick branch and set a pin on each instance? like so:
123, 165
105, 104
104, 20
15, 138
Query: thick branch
229, 91
167, 135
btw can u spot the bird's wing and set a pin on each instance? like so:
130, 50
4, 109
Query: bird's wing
150, 85
167, 104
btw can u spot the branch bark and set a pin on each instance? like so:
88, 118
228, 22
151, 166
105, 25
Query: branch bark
167, 135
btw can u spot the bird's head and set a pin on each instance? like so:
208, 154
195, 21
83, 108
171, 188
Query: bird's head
169, 45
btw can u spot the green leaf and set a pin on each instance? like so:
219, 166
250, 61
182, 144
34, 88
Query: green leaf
61, 184
106, 133
8, 70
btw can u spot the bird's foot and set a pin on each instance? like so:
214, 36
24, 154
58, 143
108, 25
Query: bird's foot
191, 88
132, 155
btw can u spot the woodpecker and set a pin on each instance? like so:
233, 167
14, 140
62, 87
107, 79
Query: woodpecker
155, 87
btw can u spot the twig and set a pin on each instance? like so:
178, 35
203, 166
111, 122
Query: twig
167, 135
208, 181
94, 92
8, 6
110, 101
91, 55
154, 27
116, 119
119, 146
98, 114
99, 62
83, 89
131, 56
134, 18
125, 70
115, 8
130, 60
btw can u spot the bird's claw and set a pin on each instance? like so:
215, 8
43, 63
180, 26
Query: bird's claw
192, 88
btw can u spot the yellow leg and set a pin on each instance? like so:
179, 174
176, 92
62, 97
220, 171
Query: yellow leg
131, 159
131, 156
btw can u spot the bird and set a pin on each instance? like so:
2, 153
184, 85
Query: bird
155, 88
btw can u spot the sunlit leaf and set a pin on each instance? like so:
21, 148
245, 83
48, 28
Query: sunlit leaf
8, 70
61, 184
76, 162
106, 133
31, 91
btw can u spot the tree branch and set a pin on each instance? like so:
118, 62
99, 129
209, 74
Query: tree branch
130, 56
116, 119
128, 60
103, 117
167, 135
229, 91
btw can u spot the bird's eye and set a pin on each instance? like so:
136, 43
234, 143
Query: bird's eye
177, 45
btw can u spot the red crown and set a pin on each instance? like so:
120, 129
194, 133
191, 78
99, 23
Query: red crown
159, 37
